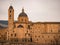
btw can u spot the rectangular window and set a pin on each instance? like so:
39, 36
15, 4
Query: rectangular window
15, 34
11, 34
28, 26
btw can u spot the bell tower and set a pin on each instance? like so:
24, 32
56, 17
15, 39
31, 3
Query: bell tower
10, 18
10, 21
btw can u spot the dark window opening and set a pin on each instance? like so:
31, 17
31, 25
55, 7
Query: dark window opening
0, 33
20, 26
35, 36
37, 39
14, 26
16, 40
59, 36
31, 39
25, 20
32, 24
48, 36
10, 11
11, 34
54, 36
39, 36
42, 36
5, 32
45, 40
51, 40
0, 37
15, 34
28, 26
29, 34
58, 30
22, 19
51, 30
10, 16
4, 39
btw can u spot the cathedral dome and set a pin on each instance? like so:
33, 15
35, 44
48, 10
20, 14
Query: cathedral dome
22, 14
23, 17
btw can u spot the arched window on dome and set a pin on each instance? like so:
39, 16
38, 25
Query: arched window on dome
20, 26
22, 20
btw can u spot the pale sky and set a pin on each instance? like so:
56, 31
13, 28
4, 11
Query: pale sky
37, 10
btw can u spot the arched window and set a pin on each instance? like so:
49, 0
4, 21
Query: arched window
20, 26
10, 16
10, 11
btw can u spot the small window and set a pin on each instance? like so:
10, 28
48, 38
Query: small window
42, 36
51, 30
4, 38
58, 30
31, 39
35, 36
22, 19
59, 36
13, 30
5, 32
45, 40
39, 36
27, 31
11, 34
53, 36
14, 26
51, 40
10, 11
15, 34
25, 20
16, 40
28, 26
0, 37
37, 39
0, 33
10, 16
48, 36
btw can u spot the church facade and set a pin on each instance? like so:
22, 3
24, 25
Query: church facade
25, 31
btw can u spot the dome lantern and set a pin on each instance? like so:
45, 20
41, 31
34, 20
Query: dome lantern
22, 9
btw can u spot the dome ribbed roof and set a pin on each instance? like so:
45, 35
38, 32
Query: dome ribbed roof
23, 13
